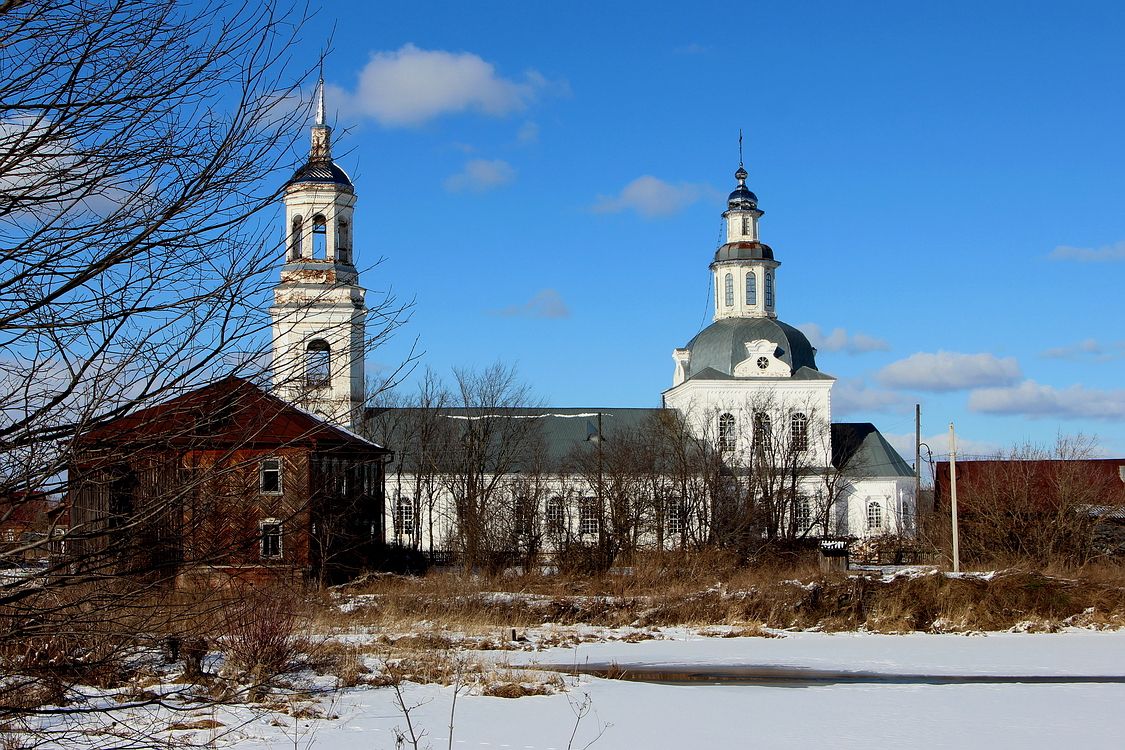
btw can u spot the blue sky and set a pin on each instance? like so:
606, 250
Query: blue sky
943, 182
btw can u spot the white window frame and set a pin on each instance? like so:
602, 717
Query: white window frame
728, 289
262, 537
404, 521
674, 515
554, 514
728, 435
589, 517
263, 469
751, 289
875, 515
799, 436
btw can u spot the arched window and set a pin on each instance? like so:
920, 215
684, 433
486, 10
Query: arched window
295, 239
319, 237
344, 243
318, 363
769, 289
763, 427
728, 284
799, 432
726, 432
874, 515
745, 226
751, 289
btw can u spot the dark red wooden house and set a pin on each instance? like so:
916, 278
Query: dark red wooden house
226, 481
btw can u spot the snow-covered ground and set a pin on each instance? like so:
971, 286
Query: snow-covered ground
631, 715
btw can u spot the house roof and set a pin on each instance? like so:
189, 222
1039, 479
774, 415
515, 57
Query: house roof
231, 412
860, 450
563, 431
1043, 479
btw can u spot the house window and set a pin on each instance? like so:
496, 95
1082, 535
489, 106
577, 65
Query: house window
269, 476
728, 289
874, 515
799, 432
769, 289
318, 363
588, 516
751, 289
524, 515
674, 515
404, 516
763, 428
270, 530
726, 432
802, 514
295, 239
555, 515
320, 237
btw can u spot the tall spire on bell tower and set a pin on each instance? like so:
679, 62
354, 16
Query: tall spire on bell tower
321, 150
744, 267
319, 314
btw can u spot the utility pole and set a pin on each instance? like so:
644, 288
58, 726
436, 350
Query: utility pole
953, 496
917, 455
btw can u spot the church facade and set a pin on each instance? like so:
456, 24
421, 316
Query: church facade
746, 394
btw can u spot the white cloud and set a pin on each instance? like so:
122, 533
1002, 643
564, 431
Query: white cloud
1032, 399
851, 396
528, 132
409, 86
949, 371
839, 340
479, 175
967, 447
1103, 254
548, 303
1087, 349
650, 196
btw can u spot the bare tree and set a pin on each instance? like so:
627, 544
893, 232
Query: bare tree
496, 434
1034, 504
140, 144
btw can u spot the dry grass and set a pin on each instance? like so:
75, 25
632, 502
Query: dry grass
655, 596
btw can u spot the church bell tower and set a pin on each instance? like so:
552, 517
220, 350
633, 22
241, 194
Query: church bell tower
319, 312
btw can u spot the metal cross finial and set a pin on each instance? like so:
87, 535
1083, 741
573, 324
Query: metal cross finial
740, 147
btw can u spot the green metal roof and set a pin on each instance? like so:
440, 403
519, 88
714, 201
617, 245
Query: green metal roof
860, 450
722, 345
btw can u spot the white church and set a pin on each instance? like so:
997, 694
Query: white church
747, 385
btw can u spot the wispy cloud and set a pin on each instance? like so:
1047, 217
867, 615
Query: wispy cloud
479, 175
839, 340
548, 303
693, 49
1104, 254
854, 396
1087, 349
1032, 399
949, 371
651, 197
410, 86
528, 132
